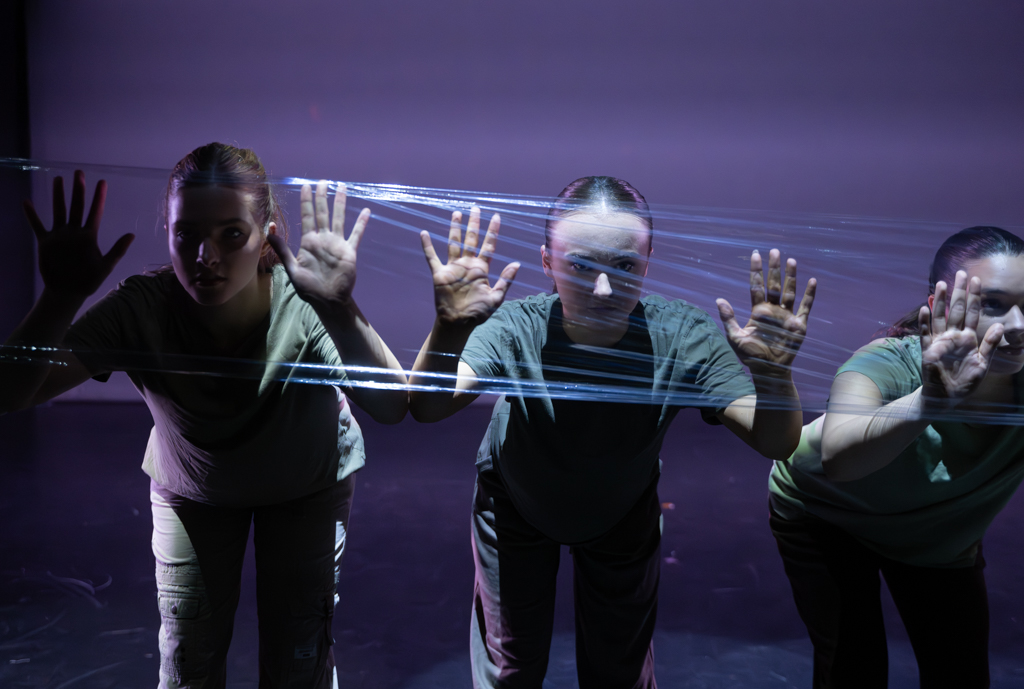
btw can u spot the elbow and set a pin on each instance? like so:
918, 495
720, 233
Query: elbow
389, 417
779, 449
425, 413
427, 408
393, 411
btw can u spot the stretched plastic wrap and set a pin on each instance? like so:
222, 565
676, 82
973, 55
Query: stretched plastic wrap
870, 273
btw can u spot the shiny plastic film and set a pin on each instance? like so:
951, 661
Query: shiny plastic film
870, 274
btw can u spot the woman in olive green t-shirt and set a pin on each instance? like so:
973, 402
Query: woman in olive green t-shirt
919, 451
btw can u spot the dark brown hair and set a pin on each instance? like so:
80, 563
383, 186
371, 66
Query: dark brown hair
971, 244
237, 168
616, 194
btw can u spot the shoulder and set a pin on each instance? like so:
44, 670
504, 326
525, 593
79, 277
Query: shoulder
517, 325
888, 351
676, 317
893, 364
527, 312
285, 303
146, 291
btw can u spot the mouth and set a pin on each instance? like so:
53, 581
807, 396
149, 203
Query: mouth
207, 280
1013, 351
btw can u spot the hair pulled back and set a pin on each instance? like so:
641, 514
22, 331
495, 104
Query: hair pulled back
608, 193
968, 245
237, 168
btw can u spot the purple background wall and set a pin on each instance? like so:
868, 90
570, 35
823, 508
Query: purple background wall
908, 110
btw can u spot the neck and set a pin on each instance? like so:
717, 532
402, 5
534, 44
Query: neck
231, 322
593, 333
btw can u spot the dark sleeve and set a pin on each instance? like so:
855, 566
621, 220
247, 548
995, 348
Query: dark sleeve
490, 351
101, 331
894, 365
715, 372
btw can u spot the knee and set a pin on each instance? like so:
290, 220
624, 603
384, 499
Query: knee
187, 649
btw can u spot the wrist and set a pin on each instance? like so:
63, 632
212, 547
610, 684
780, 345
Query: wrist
772, 379
54, 298
335, 308
454, 329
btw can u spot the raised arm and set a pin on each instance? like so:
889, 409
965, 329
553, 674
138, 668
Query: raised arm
464, 299
72, 268
324, 274
863, 434
770, 420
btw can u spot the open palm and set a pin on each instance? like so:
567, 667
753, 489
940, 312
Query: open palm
70, 260
324, 269
462, 292
772, 337
953, 361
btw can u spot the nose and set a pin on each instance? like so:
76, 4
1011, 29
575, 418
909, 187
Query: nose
602, 287
1013, 325
208, 253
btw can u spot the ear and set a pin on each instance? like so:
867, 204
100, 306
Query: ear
931, 302
545, 261
647, 266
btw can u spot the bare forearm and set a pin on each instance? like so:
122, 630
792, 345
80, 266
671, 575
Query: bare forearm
381, 391
775, 431
434, 378
22, 369
856, 445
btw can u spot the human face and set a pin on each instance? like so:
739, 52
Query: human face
598, 261
1002, 301
214, 242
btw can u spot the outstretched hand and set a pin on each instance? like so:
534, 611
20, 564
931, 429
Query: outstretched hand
462, 294
324, 270
953, 362
70, 260
771, 338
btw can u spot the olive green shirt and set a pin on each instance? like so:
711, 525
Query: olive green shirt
577, 436
241, 429
932, 504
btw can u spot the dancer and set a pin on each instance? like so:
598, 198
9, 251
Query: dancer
917, 454
556, 471
256, 444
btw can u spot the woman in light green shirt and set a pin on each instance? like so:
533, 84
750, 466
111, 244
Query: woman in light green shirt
255, 445
919, 451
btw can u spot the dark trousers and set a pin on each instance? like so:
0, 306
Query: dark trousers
298, 547
615, 589
837, 591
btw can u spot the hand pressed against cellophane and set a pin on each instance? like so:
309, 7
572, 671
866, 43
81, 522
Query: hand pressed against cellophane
462, 293
324, 269
953, 362
771, 338
70, 260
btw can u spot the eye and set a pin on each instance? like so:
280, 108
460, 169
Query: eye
233, 233
992, 305
626, 267
183, 234
579, 267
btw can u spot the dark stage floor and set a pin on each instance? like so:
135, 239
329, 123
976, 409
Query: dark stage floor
77, 596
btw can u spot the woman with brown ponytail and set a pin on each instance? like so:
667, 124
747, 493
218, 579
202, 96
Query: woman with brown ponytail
264, 448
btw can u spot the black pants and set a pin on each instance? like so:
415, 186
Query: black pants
837, 590
615, 588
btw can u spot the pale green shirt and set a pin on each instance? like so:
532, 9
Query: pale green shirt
254, 433
932, 504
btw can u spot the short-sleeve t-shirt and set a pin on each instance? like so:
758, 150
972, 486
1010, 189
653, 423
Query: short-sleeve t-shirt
932, 504
253, 433
573, 467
